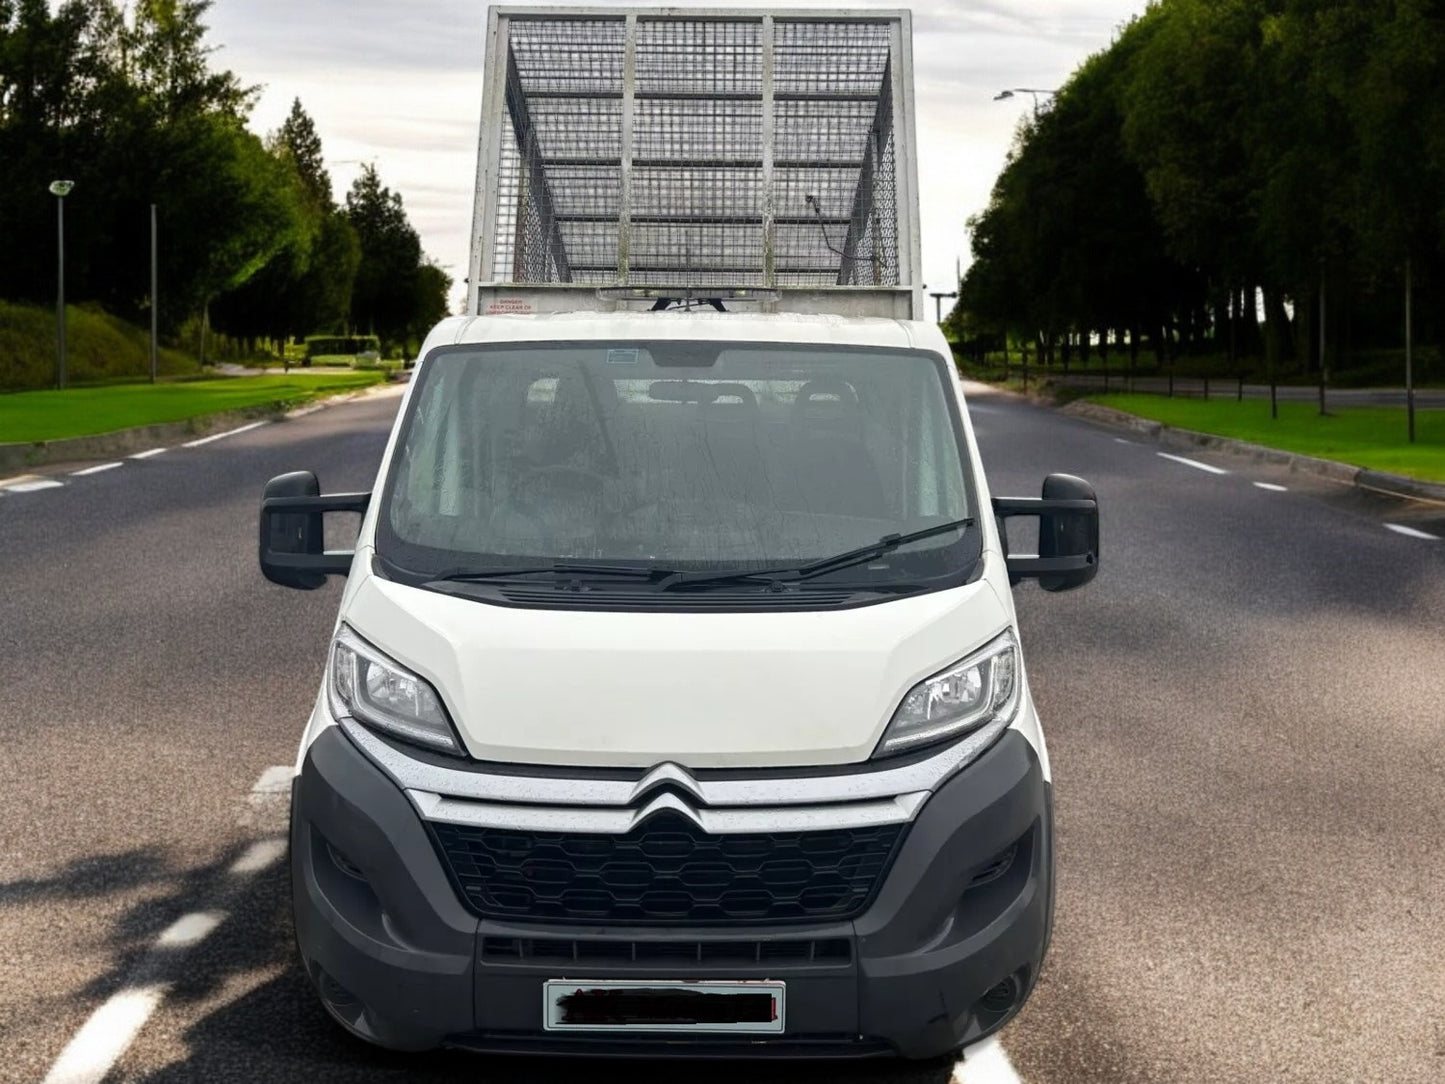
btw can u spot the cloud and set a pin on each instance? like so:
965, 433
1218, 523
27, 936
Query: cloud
400, 85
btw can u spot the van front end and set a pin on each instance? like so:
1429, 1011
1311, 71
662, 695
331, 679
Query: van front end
899, 910
676, 703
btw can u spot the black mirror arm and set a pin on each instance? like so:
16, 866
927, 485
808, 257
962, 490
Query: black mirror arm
1039, 506
1030, 567
333, 502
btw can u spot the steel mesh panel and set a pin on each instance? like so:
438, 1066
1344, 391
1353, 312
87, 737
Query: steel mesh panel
575, 56
577, 127
701, 128
696, 191
830, 131
668, 870
870, 251
509, 173
668, 53
700, 211
829, 58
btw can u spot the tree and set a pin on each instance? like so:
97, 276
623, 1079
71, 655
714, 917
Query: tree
432, 286
298, 141
1221, 150
385, 296
306, 286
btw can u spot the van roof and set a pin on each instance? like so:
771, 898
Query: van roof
720, 327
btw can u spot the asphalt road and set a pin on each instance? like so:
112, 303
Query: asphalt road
1245, 715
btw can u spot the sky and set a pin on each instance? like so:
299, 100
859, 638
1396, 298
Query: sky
400, 84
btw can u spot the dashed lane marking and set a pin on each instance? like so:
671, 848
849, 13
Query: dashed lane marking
148, 455
1121, 440
1411, 532
1192, 463
104, 1038
223, 436
189, 930
986, 1063
95, 470
1271, 487
32, 486
274, 784
258, 856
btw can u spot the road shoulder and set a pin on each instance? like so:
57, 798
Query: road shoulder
1171, 437
20, 461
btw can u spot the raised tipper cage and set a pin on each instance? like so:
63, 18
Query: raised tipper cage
636, 157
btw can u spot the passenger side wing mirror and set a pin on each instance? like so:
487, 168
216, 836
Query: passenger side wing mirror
292, 546
1068, 515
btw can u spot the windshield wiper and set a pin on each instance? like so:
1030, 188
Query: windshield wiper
561, 568
849, 559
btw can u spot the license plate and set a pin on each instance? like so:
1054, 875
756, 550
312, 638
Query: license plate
642, 1005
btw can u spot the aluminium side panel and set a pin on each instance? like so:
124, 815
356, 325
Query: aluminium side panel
489, 154
905, 133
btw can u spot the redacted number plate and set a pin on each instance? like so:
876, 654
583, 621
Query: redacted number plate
641, 1005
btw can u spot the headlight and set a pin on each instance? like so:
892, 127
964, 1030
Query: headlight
372, 689
981, 692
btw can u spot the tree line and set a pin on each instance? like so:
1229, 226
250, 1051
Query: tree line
1237, 177
122, 99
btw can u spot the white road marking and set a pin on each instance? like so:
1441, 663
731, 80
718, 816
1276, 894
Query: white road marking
275, 783
1121, 440
1192, 463
104, 1038
149, 454
1271, 487
189, 930
33, 487
273, 779
95, 470
223, 436
1411, 532
106, 1035
258, 856
986, 1063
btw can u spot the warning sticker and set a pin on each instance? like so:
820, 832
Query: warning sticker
509, 306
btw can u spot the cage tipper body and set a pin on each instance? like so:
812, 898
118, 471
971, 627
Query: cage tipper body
656, 153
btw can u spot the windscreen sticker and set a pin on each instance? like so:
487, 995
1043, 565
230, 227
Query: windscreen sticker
622, 357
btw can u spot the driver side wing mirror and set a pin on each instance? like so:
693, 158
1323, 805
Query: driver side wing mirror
292, 545
1068, 514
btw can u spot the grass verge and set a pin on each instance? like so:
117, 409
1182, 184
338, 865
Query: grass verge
33, 416
99, 348
1373, 437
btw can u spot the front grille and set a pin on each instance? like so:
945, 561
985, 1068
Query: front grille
668, 870
531, 949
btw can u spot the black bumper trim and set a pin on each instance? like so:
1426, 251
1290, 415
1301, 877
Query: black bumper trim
400, 942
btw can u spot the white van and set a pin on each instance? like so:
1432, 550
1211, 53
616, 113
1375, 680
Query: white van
676, 703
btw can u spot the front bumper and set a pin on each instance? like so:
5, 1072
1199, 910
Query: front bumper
945, 954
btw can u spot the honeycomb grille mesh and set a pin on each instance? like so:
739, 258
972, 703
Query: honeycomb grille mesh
667, 870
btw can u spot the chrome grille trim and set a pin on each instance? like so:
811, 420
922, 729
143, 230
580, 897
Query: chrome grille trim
900, 809
772, 792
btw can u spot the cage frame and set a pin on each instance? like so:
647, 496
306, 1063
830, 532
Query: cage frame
487, 292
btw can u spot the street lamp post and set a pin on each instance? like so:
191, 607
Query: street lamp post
60, 189
155, 317
1034, 92
938, 305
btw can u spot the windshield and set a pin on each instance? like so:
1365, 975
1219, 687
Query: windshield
679, 456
